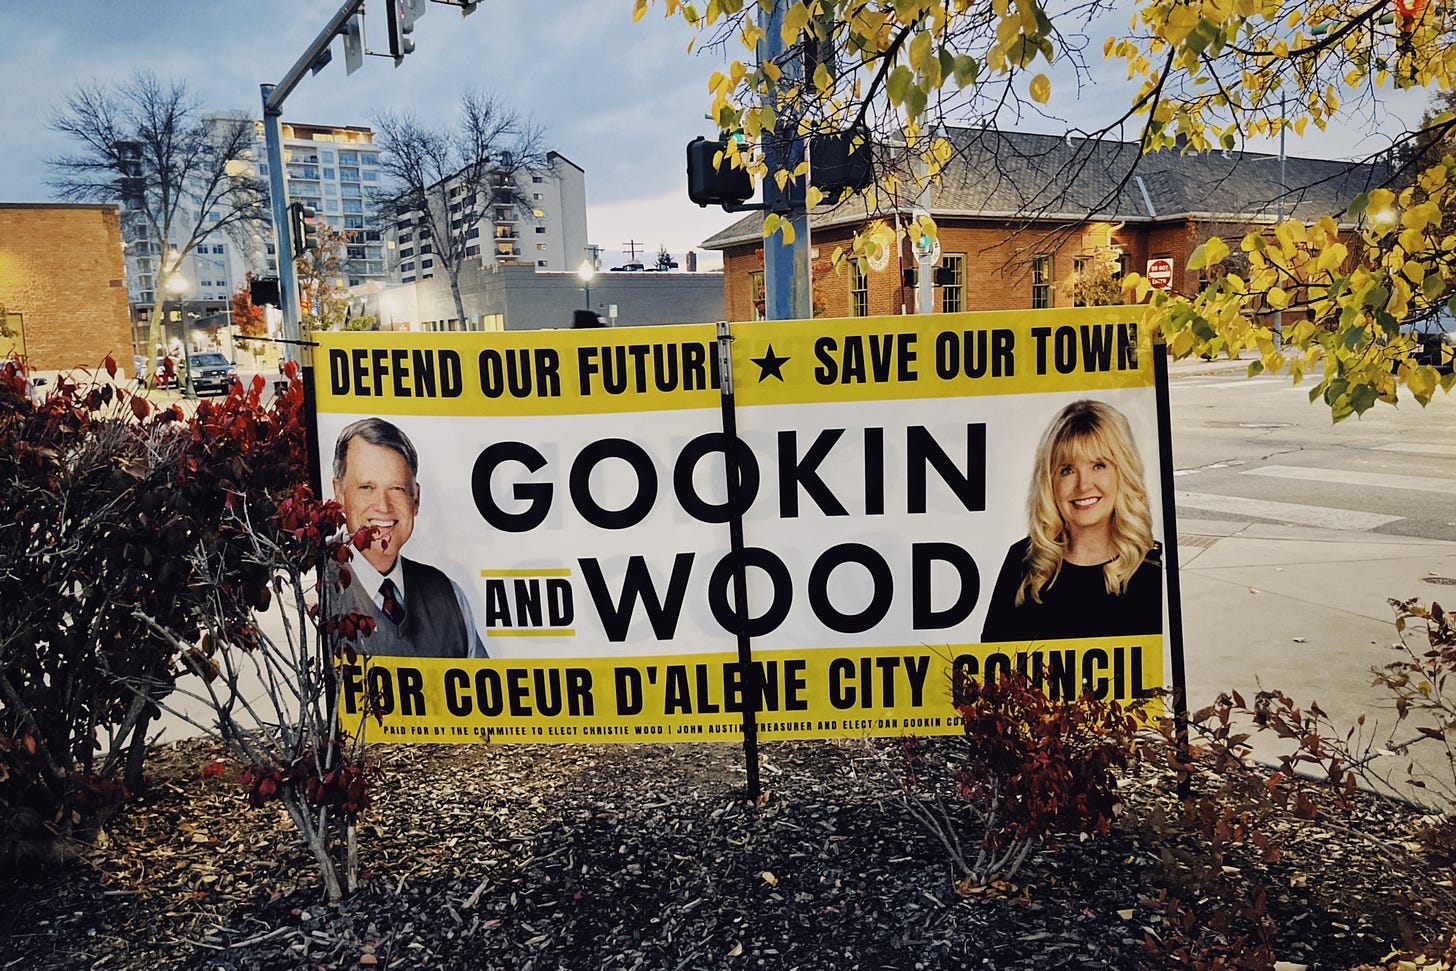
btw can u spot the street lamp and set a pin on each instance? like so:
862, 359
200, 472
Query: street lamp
177, 283
587, 272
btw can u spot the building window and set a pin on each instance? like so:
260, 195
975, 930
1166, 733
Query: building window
953, 289
537, 179
540, 247
348, 158
859, 291
1041, 281
217, 248
756, 294
540, 230
543, 262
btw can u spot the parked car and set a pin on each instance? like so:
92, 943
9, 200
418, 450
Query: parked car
211, 373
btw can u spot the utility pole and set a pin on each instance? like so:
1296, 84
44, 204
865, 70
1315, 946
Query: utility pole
787, 281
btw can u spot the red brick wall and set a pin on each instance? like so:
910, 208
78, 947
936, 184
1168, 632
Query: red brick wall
61, 266
997, 261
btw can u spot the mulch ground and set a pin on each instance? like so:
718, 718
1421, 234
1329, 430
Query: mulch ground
649, 856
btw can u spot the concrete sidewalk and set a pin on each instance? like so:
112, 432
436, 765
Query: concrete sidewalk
1305, 611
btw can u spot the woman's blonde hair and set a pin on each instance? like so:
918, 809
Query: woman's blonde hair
1086, 431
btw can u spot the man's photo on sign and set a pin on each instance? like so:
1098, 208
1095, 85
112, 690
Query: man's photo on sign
417, 609
1089, 566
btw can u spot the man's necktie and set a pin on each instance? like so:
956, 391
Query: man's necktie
393, 609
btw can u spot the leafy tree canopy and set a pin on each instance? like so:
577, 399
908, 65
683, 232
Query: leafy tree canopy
1205, 75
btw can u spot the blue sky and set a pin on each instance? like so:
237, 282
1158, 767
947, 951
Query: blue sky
619, 99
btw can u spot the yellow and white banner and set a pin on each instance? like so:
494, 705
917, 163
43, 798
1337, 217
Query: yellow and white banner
573, 486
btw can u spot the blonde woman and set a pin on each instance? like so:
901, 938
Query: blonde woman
1089, 567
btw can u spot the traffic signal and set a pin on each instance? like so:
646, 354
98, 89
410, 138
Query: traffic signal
263, 291
400, 17
303, 224
715, 183
841, 162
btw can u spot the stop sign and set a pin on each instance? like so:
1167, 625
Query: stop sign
1160, 273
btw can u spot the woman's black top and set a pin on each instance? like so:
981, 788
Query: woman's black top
1076, 603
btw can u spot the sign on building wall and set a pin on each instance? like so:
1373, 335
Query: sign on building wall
568, 572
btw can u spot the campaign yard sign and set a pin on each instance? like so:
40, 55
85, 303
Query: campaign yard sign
574, 488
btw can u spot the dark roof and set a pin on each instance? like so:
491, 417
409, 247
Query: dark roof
1013, 175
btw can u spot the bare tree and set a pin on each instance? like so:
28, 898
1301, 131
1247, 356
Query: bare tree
446, 181
179, 177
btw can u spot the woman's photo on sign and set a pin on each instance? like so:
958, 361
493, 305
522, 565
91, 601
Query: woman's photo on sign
1089, 565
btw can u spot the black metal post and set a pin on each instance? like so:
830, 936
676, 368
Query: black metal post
1170, 560
752, 688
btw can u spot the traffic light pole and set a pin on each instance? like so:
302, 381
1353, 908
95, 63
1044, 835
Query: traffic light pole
282, 228
787, 281
273, 98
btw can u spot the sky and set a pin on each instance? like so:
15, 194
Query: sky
621, 100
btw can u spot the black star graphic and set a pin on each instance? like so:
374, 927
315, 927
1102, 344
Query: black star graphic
769, 365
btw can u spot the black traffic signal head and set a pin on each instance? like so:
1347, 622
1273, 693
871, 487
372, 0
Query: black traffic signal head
263, 291
303, 223
400, 24
713, 180
841, 162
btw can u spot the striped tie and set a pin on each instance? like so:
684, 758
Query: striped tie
393, 609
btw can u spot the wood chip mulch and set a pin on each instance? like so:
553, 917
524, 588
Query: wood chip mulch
650, 857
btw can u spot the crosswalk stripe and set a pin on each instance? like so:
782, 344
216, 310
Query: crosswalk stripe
1373, 480
1289, 512
1282, 380
1418, 448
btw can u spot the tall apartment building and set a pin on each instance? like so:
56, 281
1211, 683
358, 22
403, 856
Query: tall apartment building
332, 168
549, 232
336, 171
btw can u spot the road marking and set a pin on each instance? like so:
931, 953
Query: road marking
1287, 512
1415, 448
1283, 381
1205, 468
1373, 480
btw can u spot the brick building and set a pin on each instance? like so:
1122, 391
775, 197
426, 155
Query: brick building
1021, 217
63, 285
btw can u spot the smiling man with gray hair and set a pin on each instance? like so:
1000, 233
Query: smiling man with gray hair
418, 610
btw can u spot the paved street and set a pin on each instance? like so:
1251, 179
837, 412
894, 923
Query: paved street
1294, 532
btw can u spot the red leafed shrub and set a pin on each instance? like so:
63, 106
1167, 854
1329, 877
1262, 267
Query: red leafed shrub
143, 547
1027, 769
1039, 767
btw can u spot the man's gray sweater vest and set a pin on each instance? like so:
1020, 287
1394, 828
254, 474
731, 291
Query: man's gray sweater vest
432, 624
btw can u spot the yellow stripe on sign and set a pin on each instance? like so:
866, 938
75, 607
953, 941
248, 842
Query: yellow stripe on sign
516, 373
845, 692
940, 356
549, 572
527, 632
